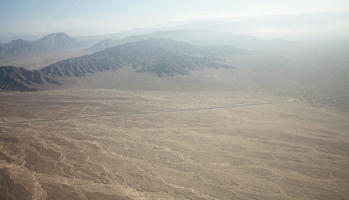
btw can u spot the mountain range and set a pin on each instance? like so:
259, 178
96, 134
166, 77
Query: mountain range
163, 57
51, 42
196, 37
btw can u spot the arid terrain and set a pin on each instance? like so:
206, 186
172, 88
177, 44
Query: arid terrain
144, 144
174, 100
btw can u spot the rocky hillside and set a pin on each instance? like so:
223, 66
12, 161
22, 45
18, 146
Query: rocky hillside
13, 78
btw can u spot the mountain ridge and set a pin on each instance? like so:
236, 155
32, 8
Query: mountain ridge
144, 56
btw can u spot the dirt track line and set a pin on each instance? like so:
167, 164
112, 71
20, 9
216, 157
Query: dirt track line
140, 113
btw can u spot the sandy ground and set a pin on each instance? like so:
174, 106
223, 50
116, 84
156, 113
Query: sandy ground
110, 144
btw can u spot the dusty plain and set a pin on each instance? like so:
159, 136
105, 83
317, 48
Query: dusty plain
113, 144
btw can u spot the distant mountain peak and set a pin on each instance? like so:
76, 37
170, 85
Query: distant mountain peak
59, 35
56, 41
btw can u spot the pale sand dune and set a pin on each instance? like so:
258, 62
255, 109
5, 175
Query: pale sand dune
285, 150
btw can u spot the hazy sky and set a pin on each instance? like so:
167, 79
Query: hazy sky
87, 17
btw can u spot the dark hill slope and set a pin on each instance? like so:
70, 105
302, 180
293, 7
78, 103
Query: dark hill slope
14, 78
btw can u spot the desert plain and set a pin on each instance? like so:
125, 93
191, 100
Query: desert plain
101, 144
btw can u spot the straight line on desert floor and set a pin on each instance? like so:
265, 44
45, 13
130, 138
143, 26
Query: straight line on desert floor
140, 113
